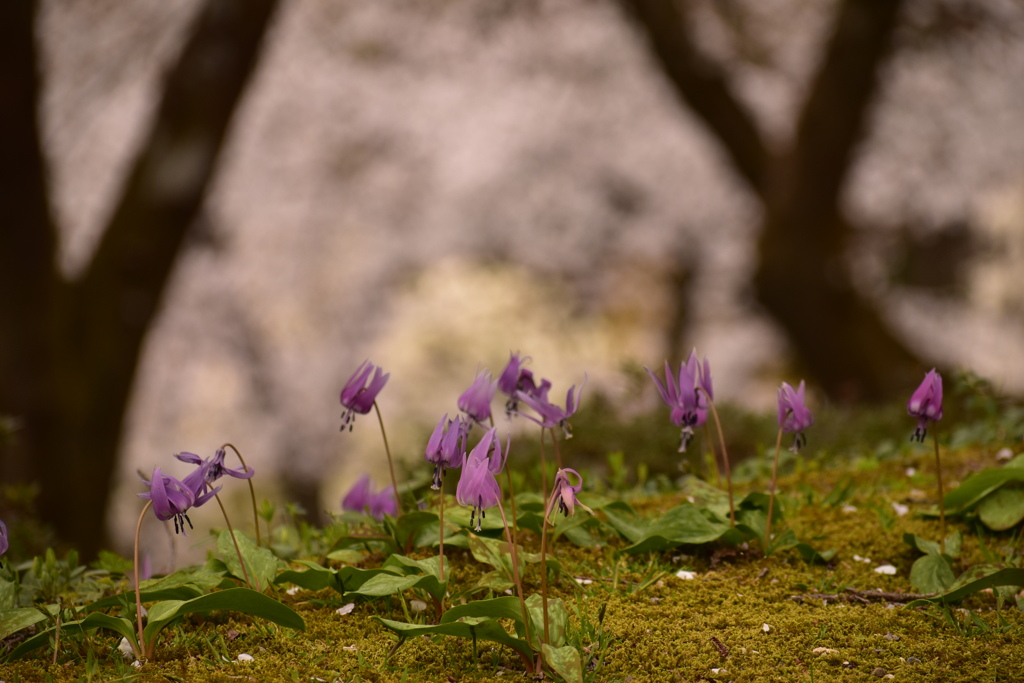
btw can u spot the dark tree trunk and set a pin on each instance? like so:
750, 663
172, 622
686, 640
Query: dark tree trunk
71, 348
801, 278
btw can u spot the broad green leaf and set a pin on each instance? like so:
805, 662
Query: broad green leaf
980, 485
932, 573
564, 661
492, 552
77, 628
927, 547
626, 523
1003, 509
390, 584
260, 563
13, 620
235, 599
494, 580
474, 628
460, 516
681, 525
1013, 576
558, 617
346, 555
417, 529
811, 555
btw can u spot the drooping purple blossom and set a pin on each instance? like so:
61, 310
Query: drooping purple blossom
794, 416
446, 448
549, 415
478, 488
516, 379
360, 391
172, 498
4, 545
361, 498
476, 400
563, 494
214, 467
926, 404
687, 396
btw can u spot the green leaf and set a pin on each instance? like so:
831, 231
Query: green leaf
927, 547
1003, 509
417, 530
980, 485
812, 556
1013, 576
13, 620
478, 628
390, 584
681, 525
626, 522
564, 661
76, 629
558, 617
260, 563
235, 599
932, 573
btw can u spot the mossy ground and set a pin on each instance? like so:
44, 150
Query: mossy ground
660, 627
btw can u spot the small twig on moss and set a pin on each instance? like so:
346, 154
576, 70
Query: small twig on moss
853, 595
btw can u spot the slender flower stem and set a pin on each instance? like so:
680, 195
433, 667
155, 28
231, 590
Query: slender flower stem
558, 452
391, 464
771, 495
238, 551
942, 498
511, 491
515, 572
725, 455
440, 541
543, 464
138, 592
714, 460
544, 574
252, 493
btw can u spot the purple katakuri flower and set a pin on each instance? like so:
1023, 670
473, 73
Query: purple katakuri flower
550, 415
794, 416
361, 391
516, 380
383, 503
4, 545
564, 494
926, 404
172, 497
688, 396
215, 467
476, 401
358, 497
447, 447
478, 487
361, 498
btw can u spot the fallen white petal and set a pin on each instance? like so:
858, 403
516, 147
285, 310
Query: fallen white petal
346, 609
900, 509
858, 558
911, 471
137, 664
294, 590
685, 575
719, 671
849, 508
126, 648
1004, 454
886, 569
417, 605
245, 657
766, 628
350, 648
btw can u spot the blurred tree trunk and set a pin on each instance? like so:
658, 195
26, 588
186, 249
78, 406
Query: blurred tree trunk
70, 348
802, 278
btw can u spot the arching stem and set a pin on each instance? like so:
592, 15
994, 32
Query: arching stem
138, 592
391, 464
252, 493
771, 495
725, 455
544, 573
942, 498
234, 540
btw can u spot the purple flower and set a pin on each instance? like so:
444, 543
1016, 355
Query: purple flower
476, 401
383, 503
794, 416
550, 415
564, 494
478, 487
360, 392
688, 396
515, 380
446, 447
215, 467
172, 497
360, 498
4, 545
926, 404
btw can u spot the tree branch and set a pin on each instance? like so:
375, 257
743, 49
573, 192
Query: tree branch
702, 87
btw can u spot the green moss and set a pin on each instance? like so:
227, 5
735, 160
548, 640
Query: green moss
663, 628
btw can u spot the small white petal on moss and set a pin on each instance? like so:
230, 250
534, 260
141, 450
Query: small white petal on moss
685, 575
126, 648
417, 605
766, 628
345, 609
900, 508
245, 657
886, 569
